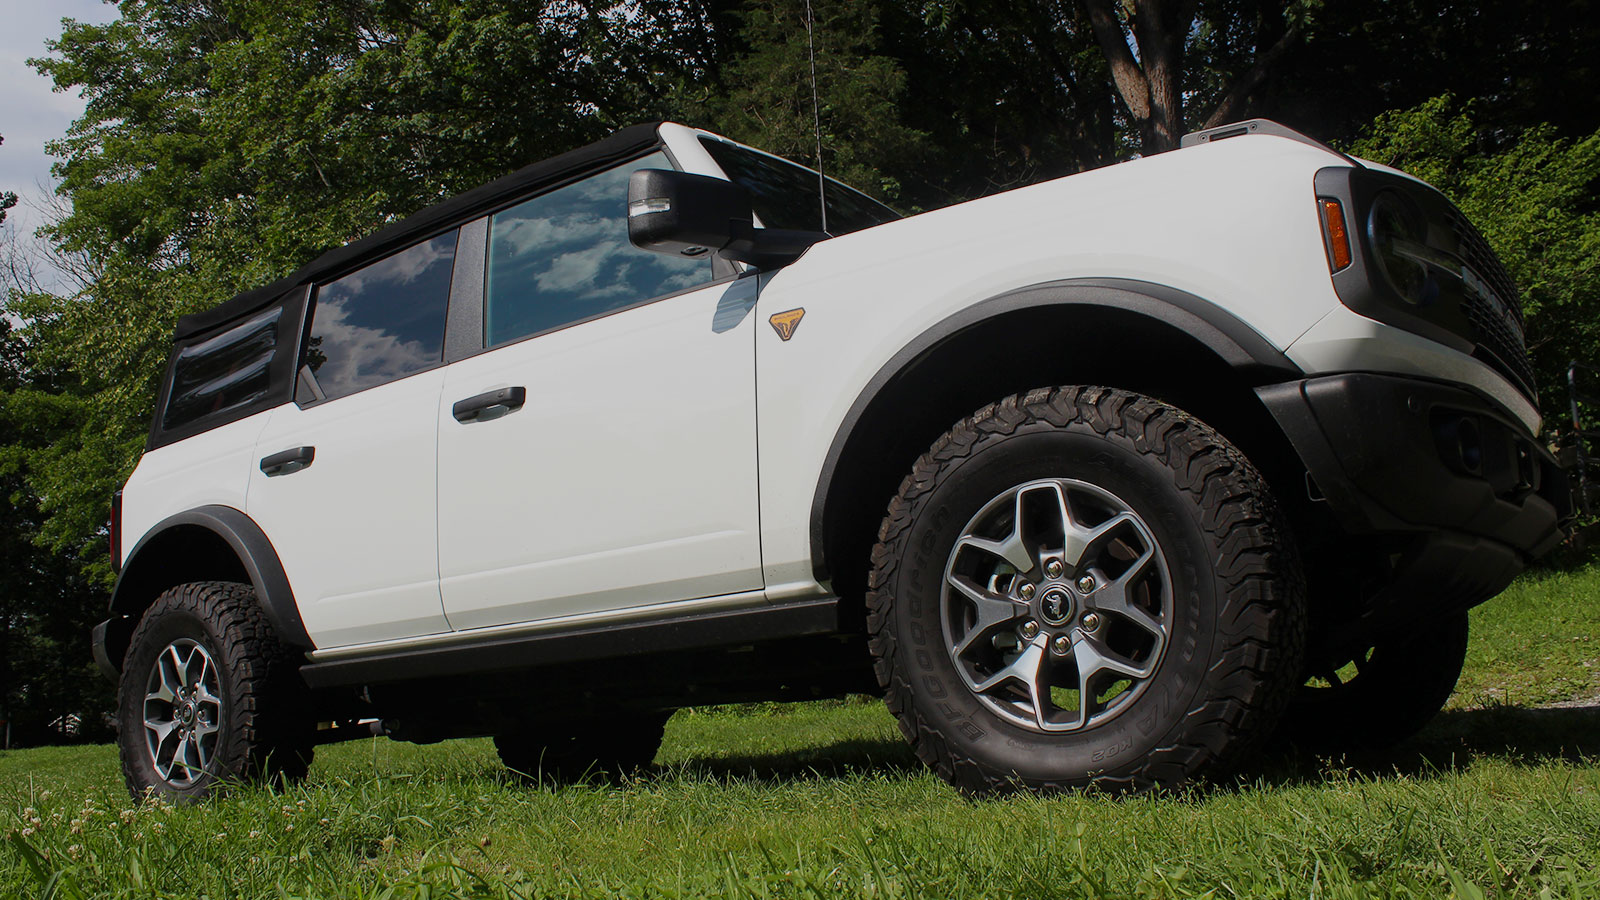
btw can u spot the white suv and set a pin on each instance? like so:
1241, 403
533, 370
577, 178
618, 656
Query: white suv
1098, 482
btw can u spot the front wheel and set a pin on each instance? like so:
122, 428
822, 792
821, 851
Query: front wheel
1383, 694
1084, 587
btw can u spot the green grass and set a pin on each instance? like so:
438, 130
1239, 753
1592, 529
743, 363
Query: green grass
1537, 643
821, 800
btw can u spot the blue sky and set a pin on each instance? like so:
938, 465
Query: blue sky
30, 113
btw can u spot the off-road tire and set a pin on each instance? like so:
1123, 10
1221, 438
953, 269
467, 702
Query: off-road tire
264, 733
572, 750
1401, 684
1234, 660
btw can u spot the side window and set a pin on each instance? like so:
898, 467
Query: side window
224, 373
564, 256
785, 195
379, 323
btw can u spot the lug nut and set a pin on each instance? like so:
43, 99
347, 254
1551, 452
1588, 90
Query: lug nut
1086, 584
1053, 568
1030, 630
1062, 645
1091, 621
1026, 590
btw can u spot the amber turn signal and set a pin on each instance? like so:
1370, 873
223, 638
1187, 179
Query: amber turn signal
1338, 237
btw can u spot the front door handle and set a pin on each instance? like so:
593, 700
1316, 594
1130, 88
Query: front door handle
489, 405
288, 462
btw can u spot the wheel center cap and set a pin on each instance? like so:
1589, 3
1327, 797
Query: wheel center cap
1055, 606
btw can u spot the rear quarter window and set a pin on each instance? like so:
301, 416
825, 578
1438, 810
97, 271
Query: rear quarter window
223, 374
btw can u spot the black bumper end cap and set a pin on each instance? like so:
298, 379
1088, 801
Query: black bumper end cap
110, 639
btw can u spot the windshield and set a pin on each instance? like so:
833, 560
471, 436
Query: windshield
785, 195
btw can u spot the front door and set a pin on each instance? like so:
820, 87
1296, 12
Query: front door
620, 470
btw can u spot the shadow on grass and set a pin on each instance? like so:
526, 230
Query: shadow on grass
1510, 732
855, 757
1449, 743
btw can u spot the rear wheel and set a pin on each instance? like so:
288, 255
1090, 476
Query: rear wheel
1384, 694
575, 749
1084, 587
209, 695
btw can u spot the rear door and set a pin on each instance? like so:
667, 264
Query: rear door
620, 471
344, 483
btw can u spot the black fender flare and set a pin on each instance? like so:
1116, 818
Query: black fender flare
1237, 344
137, 582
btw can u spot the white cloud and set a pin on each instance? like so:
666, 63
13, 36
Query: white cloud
575, 269
31, 113
402, 268
359, 356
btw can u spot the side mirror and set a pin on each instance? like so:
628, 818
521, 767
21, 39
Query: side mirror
691, 215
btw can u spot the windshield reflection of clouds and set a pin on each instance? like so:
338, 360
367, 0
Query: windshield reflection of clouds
565, 256
384, 321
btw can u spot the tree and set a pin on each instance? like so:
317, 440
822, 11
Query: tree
1148, 44
46, 604
8, 199
1525, 64
765, 93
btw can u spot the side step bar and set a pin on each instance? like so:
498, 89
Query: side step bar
500, 654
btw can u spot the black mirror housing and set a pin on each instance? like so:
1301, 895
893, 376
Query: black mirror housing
692, 215
684, 214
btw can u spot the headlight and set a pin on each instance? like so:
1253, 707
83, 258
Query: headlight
1398, 235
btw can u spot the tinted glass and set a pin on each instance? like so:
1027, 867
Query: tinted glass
223, 373
564, 256
785, 195
382, 322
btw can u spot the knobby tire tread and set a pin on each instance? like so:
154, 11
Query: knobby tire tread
262, 734
1262, 623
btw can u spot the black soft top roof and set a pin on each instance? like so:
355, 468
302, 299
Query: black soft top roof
617, 148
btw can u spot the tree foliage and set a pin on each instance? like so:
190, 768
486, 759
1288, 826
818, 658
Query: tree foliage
764, 97
8, 199
45, 668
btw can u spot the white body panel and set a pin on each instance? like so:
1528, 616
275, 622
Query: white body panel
355, 530
211, 468
1234, 223
869, 294
1346, 341
628, 478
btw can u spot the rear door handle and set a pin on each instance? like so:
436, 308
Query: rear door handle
489, 405
288, 462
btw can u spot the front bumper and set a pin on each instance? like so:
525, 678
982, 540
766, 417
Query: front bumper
1398, 455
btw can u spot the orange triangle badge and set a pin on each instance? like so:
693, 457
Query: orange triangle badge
786, 322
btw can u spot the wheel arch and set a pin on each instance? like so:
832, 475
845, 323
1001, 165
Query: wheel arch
208, 543
1201, 358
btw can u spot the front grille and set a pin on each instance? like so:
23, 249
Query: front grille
1500, 343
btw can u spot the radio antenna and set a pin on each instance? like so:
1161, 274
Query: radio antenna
816, 120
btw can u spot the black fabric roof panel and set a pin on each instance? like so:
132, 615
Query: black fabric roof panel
617, 148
